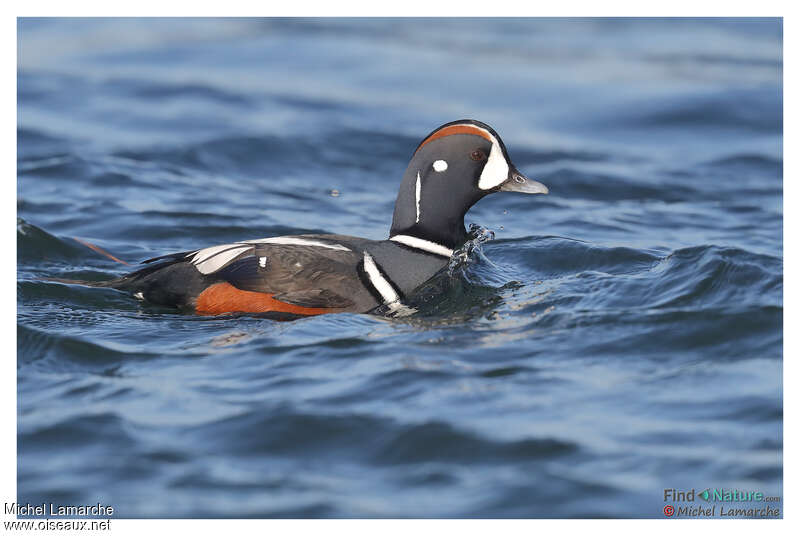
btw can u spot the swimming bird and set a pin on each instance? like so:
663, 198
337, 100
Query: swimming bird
287, 277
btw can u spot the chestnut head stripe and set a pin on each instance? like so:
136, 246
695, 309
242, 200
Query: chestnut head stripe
457, 129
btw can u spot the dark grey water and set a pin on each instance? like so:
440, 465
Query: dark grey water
617, 337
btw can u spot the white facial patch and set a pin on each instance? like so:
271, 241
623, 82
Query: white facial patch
440, 165
495, 172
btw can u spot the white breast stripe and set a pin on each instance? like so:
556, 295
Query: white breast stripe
378, 281
496, 169
419, 191
384, 288
424, 245
294, 241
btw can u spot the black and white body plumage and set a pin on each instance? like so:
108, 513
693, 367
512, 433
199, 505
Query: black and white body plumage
452, 169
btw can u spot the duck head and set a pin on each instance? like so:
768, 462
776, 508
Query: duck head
454, 167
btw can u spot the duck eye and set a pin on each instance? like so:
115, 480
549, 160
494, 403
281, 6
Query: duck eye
477, 155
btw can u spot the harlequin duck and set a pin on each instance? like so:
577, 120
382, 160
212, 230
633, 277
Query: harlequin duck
454, 167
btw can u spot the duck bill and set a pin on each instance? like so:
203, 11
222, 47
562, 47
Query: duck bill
517, 182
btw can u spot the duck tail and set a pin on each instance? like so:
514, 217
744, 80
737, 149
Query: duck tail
99, 250
117, 283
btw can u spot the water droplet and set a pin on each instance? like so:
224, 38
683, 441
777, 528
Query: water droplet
334, 193
468, 253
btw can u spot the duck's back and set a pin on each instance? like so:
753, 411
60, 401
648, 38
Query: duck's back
286, 276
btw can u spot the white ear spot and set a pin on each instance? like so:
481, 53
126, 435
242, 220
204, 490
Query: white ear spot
440, 165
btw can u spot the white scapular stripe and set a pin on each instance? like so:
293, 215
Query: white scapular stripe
495, 172
385, 289
424, 245
419, 191
294, 241
209, 260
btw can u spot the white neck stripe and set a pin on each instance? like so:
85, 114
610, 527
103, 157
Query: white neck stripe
424, 245
419, 192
